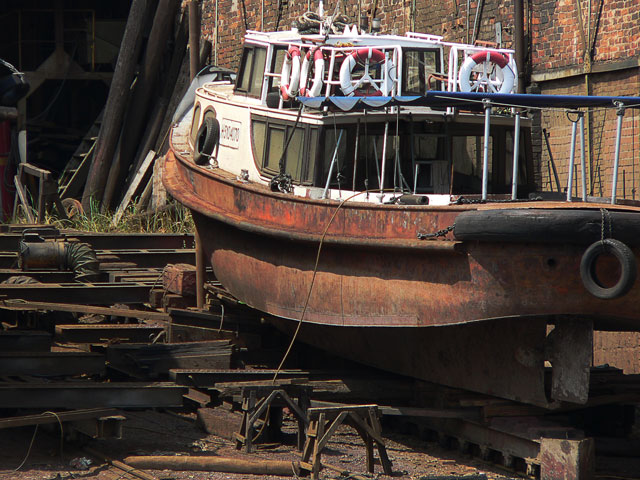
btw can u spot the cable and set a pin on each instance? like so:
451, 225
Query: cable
313, 279
33, 438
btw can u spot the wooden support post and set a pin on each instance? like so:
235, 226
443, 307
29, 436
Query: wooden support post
47, 192
562, 459
363, 418
194, 38
116, 104
259, 401
200, 272
146, 85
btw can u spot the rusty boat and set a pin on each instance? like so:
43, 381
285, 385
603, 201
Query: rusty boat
375, 195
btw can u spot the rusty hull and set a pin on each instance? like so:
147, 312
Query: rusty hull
471, 315
373, 271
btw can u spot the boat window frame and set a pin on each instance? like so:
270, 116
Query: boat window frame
306, 170
251, 70
405, 66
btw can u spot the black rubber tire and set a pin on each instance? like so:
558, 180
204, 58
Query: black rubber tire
627, 264
206, 140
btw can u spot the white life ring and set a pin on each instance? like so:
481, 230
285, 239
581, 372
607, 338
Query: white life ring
506, 69
318, 73
290, 76
366, 57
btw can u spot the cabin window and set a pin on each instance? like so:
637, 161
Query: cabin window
195, 122
431, 159
340, 173
276, 67
252, 71
275, 147
468, 155
430, 166
419, 69
258, 133
522, 160
269, 139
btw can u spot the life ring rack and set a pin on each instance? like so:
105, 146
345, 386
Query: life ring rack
365, 56
501, 61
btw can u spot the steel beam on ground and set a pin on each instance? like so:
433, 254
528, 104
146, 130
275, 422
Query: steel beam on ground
51, 364
25, 341
102, 427
105, 241
106, 333
483, 436
208, 378
55, 276
148, 258
54, 417
90, 395
100, 241
86, 309
8, 260
78, 293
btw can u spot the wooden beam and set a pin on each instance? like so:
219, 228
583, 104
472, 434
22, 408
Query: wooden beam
194, 38
116, 104
145, 90
50, 417
132, 188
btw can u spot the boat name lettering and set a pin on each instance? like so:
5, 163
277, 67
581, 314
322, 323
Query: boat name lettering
230, 133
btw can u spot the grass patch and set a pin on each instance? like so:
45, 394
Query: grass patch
173, 218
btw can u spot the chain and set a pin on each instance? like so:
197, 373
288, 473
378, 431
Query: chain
473, 201
281, 183
439, 233
604, 212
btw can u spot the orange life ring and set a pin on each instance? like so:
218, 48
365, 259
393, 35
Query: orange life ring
290, 76
487, 56
366, 57
318, 72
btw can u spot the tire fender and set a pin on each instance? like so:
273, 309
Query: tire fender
206, 140
625, 258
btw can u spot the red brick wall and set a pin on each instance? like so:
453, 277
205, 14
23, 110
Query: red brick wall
618, 349
603, 128
556, 39
447, 18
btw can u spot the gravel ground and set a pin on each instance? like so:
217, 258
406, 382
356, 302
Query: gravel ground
163, 433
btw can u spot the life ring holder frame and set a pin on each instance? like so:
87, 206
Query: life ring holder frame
367, 56
502, 61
